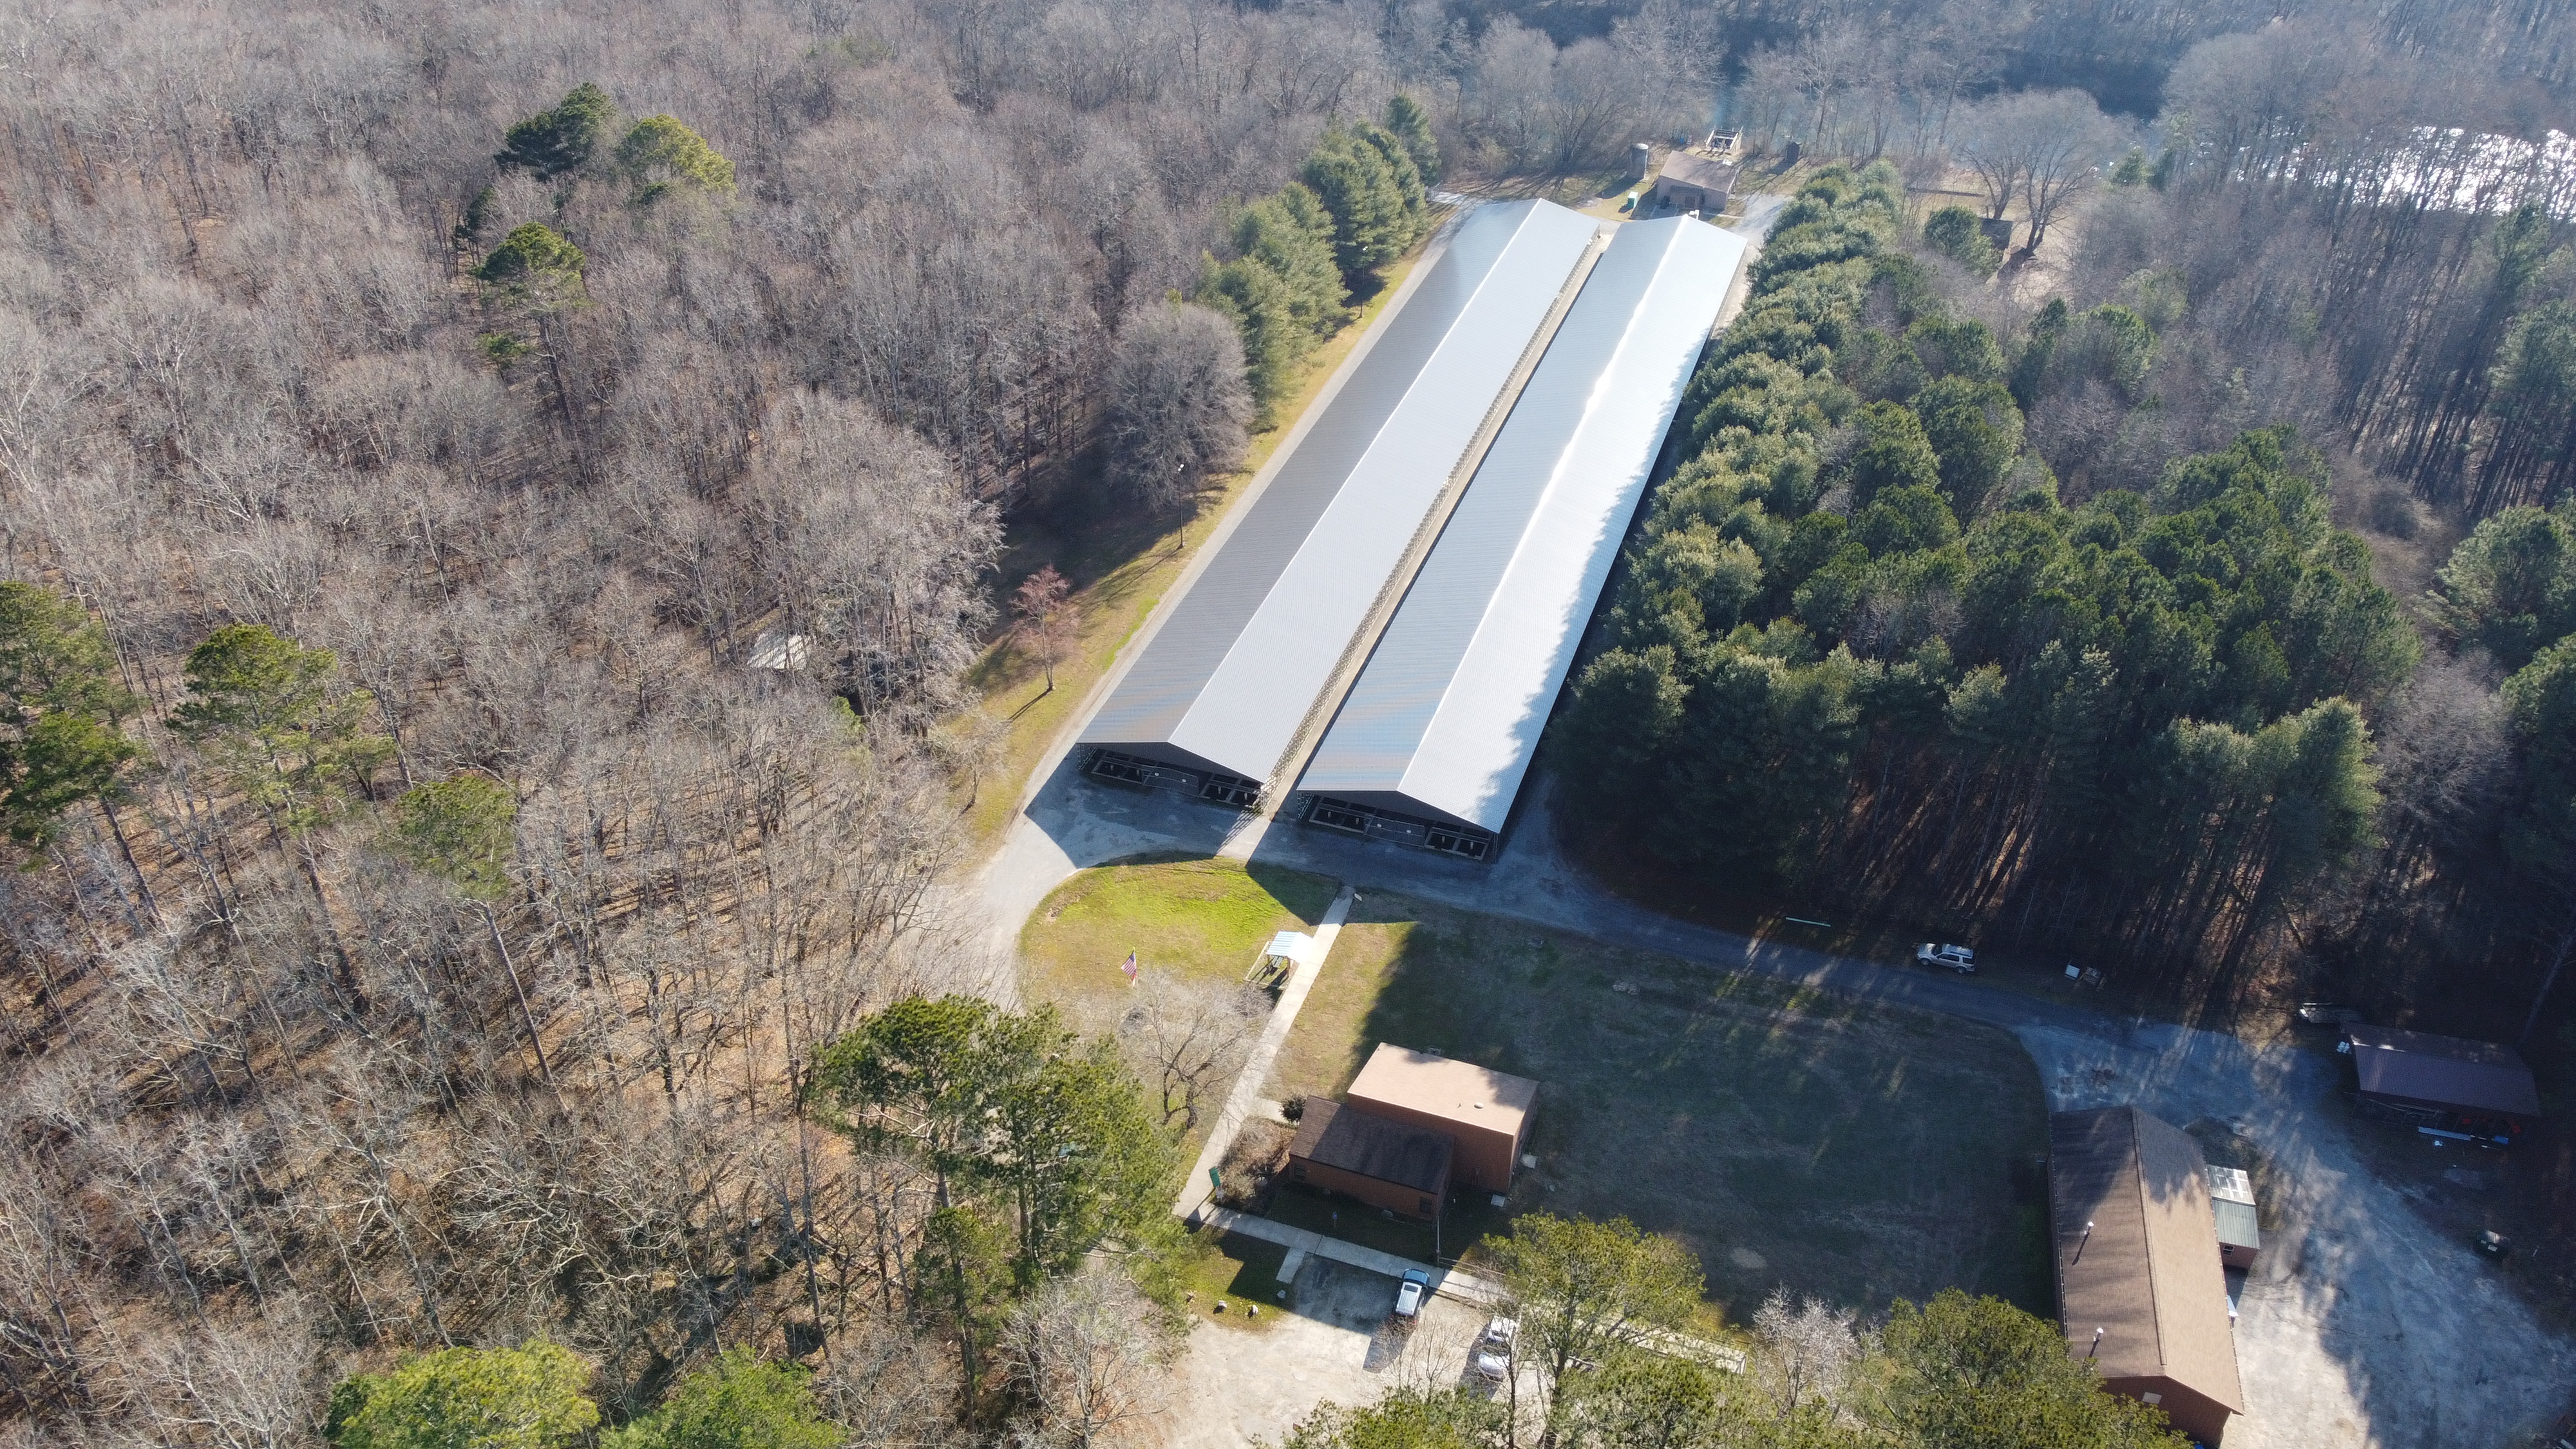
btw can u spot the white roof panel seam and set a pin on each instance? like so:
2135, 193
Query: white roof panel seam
1526, 580
1448, 710
1245, 712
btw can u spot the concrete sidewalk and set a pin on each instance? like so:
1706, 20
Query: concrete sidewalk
1448, 1282
1455, 1283
1256, 1068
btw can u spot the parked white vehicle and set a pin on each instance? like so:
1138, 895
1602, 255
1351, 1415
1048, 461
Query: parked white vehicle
1493, 1353
1957, 958
1408, 1296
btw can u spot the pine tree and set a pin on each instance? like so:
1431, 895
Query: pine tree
1410, 124
1359, 187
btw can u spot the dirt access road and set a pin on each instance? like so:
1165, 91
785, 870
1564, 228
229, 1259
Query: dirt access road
2363, 1327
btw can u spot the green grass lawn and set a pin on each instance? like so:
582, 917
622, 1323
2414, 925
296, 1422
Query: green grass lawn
1858, 1153
1196, 918
1237, 1271
1192, 917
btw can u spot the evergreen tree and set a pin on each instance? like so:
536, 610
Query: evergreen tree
1010, 1107
460, 829
1409, 123
1407, 176
1978, 1373
61, 712
1953, 232
1252, 296
1360, 189
662, 156
1975, 432
2510, 586
1291, 233
529, 1397
1894, 453
552, 142
1406, 1418
1283, 291
739, 1402
535, 262
272, 718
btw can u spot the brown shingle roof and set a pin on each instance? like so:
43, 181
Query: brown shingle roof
1335, 1135
2445, 1071
2148, 1273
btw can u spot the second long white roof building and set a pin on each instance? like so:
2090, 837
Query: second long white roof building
1445, 716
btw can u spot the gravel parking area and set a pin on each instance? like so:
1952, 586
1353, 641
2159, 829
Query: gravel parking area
1233, 1389
2359, 1327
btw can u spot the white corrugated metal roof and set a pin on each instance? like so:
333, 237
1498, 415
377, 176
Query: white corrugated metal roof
1446, 714
1232, 672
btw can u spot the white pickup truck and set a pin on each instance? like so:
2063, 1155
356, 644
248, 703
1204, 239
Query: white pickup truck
1957, 958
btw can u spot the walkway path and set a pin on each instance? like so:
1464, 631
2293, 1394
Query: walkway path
1256, 1068
2338, 1327
1455, 1283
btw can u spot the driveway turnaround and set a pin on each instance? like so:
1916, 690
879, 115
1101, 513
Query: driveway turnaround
2362, 1328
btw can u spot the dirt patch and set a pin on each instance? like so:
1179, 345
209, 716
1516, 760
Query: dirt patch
2463, 1192
1253, 1165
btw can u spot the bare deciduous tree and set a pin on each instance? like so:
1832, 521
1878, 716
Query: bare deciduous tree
1811, 1348
1086, 1352
1191, 1035
2044, 147
1045, 617
1178, 403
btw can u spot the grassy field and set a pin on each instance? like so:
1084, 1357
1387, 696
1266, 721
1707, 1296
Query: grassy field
1196, 918
1120, 564
1853, 1152
1237, 1271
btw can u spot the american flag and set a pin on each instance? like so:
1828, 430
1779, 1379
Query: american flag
1129, 966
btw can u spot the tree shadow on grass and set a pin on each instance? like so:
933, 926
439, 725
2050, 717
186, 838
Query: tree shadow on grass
1852, 1152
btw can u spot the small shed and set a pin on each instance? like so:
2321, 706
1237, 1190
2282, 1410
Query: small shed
1485, 1111
2231, 1199
2448, 1086
1695, 181
1392, 1165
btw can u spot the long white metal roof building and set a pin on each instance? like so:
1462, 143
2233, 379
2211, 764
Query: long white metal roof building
1441, 725
1225, 683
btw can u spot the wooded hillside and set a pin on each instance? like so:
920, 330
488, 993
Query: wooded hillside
498, 503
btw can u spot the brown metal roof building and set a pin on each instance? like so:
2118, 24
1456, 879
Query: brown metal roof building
1695, 181
1488, 1112
2475, 1086
2139, 1287
1401, 1168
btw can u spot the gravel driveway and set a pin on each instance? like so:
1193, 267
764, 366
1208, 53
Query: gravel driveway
1233, 1389
2362, 1327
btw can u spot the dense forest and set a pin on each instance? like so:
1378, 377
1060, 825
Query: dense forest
2028, 623
498, 502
